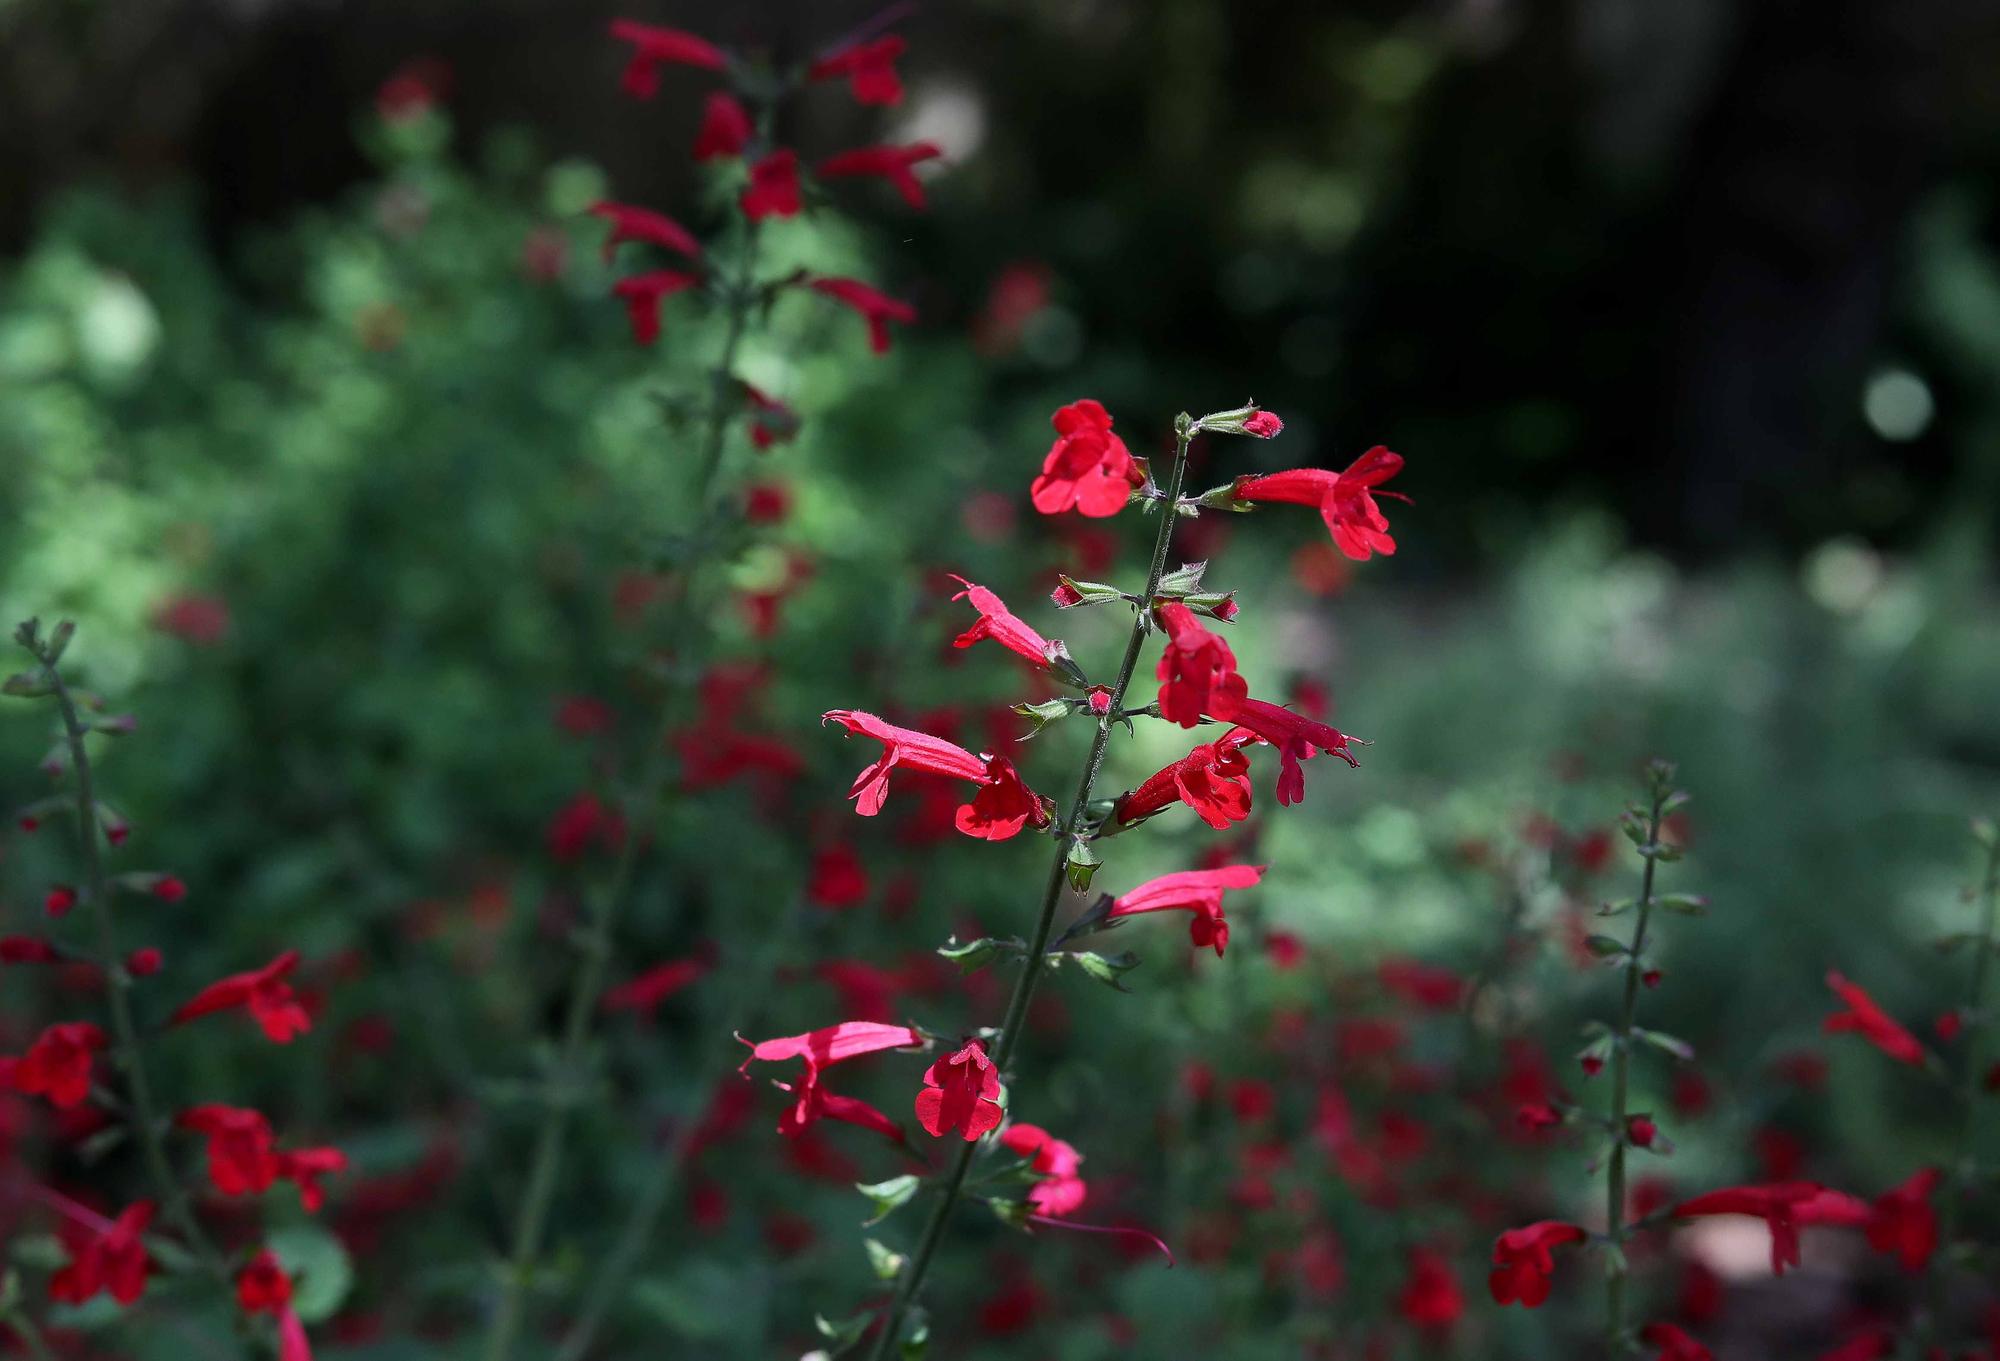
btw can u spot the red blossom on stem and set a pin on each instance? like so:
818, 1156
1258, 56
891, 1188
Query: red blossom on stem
869, 68
1345, 500
105, 1257
1088, 468
1213, 779
1430, 1297
26, 950
1196, 891
773, 190
1197, 670
1904, 1222
725, 128
1002, 807
960, 1093
643, 294
876, 308
1783, 1206
771, 421
821, 1049
1674, 1344
654, 47
1523, 1261
644, 992
262, 1287
57, 1065
242, 1154
1061, 1191
263, 992
1296, 737
1001, 624
1263, 424
892, 163
1869, 1021
631, 223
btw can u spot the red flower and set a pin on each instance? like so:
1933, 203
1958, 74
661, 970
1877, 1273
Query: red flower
1783, 1206
1002, 807
110, 1258
870, 70
821, 1049
629, 223
892, 163
654, 47
26, 950
1537, 1115
1000, 624
1430, 1297
581, 823
1523, 1261
1430, 986
242, 1155
1346, 500
1872, 1023
1866, 1347
725, 128
1062, 1191
773, 190
1263, 424
264, 992
144, 962
1903, 1221
1296, 737
59, 900
303, 1167
877, 309
1196, 891
771, 421
169, 889
1674, 1344
57, 1064
1197, 671
1088, 468
1641, 1132
646, 991
960, 1092
838, 878
643, 294
1213, 779
416, 88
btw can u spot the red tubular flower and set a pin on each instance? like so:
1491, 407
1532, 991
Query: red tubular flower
1345, 500
303, 1167
168, 889
960, 1093
56, 1065
1674, 1344
837, 878
1263, 424
1000, 624
262, 1287
1296, 737
1537, 1115
771, 421
1088, 469
242, 1155
1903, 1221
1641, 1131
1062, 1191
144, 962
1002, 807
774, 187
629, 223
725, 128
1523, 1261
1869, 1021
877, 309
654, 47
58, 901
1196, 891
264, 992
643, 294
891, 163
113, 1258
580, 824
26, 950
869, 68
1213, 779
1430, 1297
1784, 1206
1197, 670
645, 992
821, 1049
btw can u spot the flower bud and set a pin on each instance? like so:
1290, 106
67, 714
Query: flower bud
143, 963
1244, 420
1641, 1132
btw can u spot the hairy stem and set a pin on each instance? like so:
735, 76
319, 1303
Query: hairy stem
1616, 1342
1959, 1172
593, 963
913, 1275
145, 1117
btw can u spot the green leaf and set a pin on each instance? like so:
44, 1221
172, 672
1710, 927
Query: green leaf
977, 954
1665, 1043
1107, 969
1183, 580
1604, 947
884, 1262
26, 685
43, 1251
1047, 712
1614, 1260
1687, 904
319, 1267
916, 1339
845, 1333
1013, 1213
1613, 907
889, 1196
1083, 861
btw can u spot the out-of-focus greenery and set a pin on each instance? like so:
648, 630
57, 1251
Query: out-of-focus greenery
411, 468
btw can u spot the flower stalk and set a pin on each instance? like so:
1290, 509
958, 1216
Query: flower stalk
912, 1278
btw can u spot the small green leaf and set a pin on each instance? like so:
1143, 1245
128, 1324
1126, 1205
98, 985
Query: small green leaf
1665, 1043
1613, 907
1614, 1260
1107, 969
26, 685
1013, 1213
888, 1196
1687, 904
884, 1262
1082, 861
845, 1333
973, 955
1183, 580
916, 1339
1604, 947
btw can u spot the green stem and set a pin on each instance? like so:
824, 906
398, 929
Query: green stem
1031, 967
1959, 1174
1621, 1070
145, 1119
593, 963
